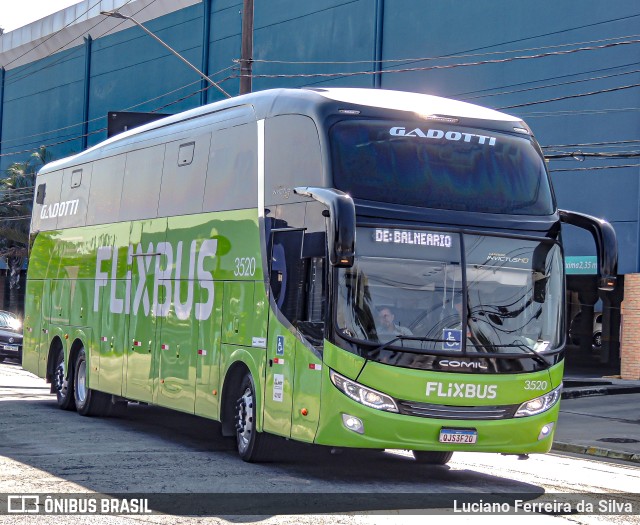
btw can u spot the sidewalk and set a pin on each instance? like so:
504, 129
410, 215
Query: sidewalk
600, 417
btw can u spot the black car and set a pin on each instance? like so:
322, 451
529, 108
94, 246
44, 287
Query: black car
596, 337
10, 336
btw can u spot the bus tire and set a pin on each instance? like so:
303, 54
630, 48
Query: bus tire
63, 383
431, 457
89, 402
250, 443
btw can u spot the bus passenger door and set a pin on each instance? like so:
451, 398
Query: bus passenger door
286, 279
145, 310
278, 391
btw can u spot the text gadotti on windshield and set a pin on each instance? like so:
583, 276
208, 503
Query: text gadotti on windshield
400, 131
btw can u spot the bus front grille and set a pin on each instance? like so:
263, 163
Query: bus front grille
415, 408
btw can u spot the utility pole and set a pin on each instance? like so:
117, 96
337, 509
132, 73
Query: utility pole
246, 58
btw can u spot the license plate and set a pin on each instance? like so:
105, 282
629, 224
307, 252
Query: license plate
10, 347
457, 435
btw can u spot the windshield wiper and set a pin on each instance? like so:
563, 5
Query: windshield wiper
536, 355
387, 344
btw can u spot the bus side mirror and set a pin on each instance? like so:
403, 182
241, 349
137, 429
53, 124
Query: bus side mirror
341, 232
606, 244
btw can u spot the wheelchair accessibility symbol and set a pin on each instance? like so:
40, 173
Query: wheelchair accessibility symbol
452, 339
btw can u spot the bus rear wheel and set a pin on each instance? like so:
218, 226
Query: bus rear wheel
62, 383
250, 442
89, 402
431, 457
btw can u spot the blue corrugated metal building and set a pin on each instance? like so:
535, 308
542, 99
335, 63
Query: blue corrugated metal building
571, 70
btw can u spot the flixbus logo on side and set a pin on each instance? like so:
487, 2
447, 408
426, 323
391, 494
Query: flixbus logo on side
462, 390
168, 274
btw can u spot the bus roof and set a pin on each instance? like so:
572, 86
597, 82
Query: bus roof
415, 102
278, 101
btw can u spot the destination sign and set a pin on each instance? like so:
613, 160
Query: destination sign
418, 238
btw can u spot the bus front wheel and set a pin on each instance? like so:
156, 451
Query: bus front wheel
89, 402
250, 442
431, 457
62, 383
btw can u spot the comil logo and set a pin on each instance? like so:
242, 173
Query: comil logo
463, 364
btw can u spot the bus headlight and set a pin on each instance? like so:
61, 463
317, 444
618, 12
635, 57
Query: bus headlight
363, 395
539, 404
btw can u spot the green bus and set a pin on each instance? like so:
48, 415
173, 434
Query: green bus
346, 267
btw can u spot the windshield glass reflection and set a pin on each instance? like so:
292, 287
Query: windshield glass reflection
513, 295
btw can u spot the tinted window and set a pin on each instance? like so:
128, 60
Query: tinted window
439, 166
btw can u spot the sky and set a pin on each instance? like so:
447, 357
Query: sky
18, 13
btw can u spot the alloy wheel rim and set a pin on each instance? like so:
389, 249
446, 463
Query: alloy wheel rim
245, 419
81, 388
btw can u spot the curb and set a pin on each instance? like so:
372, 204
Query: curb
608, 390
595, 451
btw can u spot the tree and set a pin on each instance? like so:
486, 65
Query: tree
16, 203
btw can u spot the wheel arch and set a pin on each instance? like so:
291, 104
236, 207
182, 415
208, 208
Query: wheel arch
75, 348
229, 395
54, 347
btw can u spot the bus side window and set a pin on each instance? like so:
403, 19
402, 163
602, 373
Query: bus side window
298, 280
40, 193
287, 273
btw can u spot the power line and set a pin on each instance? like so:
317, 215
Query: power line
592, 154
556, 77
64, 141
597, 168
568, 113
428, 59
610, 90
615, 142
554, 85
584, 26
444, 66
129, 108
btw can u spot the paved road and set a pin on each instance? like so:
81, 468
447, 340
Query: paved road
153, 450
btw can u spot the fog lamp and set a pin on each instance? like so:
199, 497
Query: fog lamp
546, 431
353, 423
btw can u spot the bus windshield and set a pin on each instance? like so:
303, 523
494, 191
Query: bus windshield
439, 165
406, 289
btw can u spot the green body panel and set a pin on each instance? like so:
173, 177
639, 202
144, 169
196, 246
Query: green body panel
146, 300
556, 374
306, 394
207, 367
167, 307
144, 325
350, 365
278, 385
112, 343
439, 387
391, 430
32, 327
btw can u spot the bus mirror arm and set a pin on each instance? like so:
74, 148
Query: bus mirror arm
341, 234
605, 238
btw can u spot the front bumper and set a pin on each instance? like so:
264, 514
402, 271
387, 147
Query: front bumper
392, 430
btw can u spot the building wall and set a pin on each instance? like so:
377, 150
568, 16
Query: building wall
335, 43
